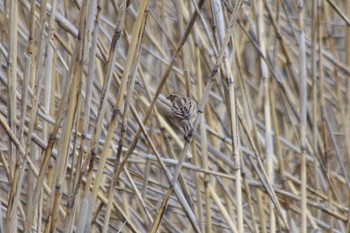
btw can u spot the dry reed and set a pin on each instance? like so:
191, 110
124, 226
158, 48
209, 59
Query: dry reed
87, 145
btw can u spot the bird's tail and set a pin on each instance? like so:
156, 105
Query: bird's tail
188, 128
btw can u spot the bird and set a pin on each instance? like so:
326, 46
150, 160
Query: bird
183, 111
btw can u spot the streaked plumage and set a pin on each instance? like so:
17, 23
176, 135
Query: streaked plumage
183, 110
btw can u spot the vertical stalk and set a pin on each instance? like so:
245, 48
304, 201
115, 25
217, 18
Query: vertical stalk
303, 112
12, 74
347, 106
267, 112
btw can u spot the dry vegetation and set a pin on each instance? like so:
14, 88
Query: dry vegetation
86, 144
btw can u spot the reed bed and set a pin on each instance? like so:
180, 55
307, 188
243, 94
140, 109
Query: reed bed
87, 144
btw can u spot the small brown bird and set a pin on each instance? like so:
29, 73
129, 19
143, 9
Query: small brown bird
184, 110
